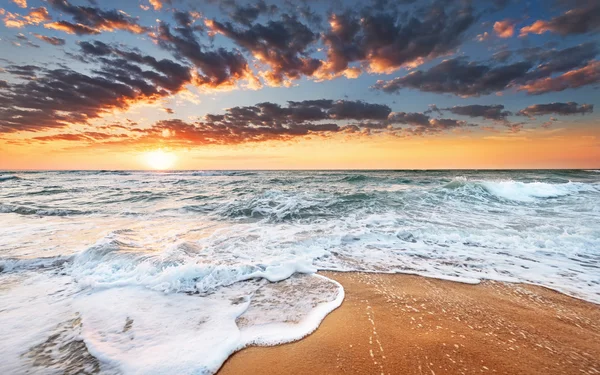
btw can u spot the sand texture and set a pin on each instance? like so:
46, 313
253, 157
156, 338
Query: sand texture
402, 324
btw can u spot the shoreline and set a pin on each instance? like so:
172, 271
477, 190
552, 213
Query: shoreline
408, 324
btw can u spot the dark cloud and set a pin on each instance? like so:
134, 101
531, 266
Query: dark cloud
357, 110
375, 38
502, 56
31, 44
587, 75
459, 77
386, 41
282, 45
490, 112
217, 68
93, 20
535, 74
95, 48
247, 14
556, 61
50, 39
416, 119
23, 71
270, 121
297, 112
581, 20
564, 109
54, 98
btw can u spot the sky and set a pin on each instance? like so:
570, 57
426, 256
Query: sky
236, 84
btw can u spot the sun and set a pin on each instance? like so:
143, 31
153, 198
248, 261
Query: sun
159, 159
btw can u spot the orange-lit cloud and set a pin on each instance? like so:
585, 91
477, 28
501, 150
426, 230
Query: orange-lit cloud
34, 17
72, 28
50, 39
92, 20
20, 3
589, 74
504, 29
575, 21
156, 4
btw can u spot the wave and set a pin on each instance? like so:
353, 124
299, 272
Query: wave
52, 190
9, 178
276, 206
18, 264
39, 211
116, 262
141, 313
356, 178
280, 206
223, 173
521, 191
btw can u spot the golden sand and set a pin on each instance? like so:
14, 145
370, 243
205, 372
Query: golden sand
401, 324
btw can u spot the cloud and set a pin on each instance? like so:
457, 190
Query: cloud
504, 29
219, 68
576, 21
415, 119
557, 61
92, 20
247, 14
587, 75
34, 17
72, 28
50, 39
23, 71
55, 98
534, 74
282, 45
387, 41
564, 109
62, 137
297, 112
490, 112
459, 77
270, 121
156, 4
20, 3
502, 56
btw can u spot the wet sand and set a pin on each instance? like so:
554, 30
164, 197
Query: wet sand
401, 324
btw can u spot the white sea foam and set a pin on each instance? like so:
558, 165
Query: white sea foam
144, 332
528, 191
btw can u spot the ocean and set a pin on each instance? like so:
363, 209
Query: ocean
118, 272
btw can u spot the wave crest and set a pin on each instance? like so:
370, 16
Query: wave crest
521, 191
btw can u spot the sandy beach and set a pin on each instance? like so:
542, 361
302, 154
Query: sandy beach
402, 324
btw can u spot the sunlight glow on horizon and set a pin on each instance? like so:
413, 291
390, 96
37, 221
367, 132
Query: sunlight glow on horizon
159, 159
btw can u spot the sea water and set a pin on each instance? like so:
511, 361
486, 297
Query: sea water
171, 272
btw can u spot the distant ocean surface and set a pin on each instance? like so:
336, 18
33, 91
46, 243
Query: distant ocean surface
170, 272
